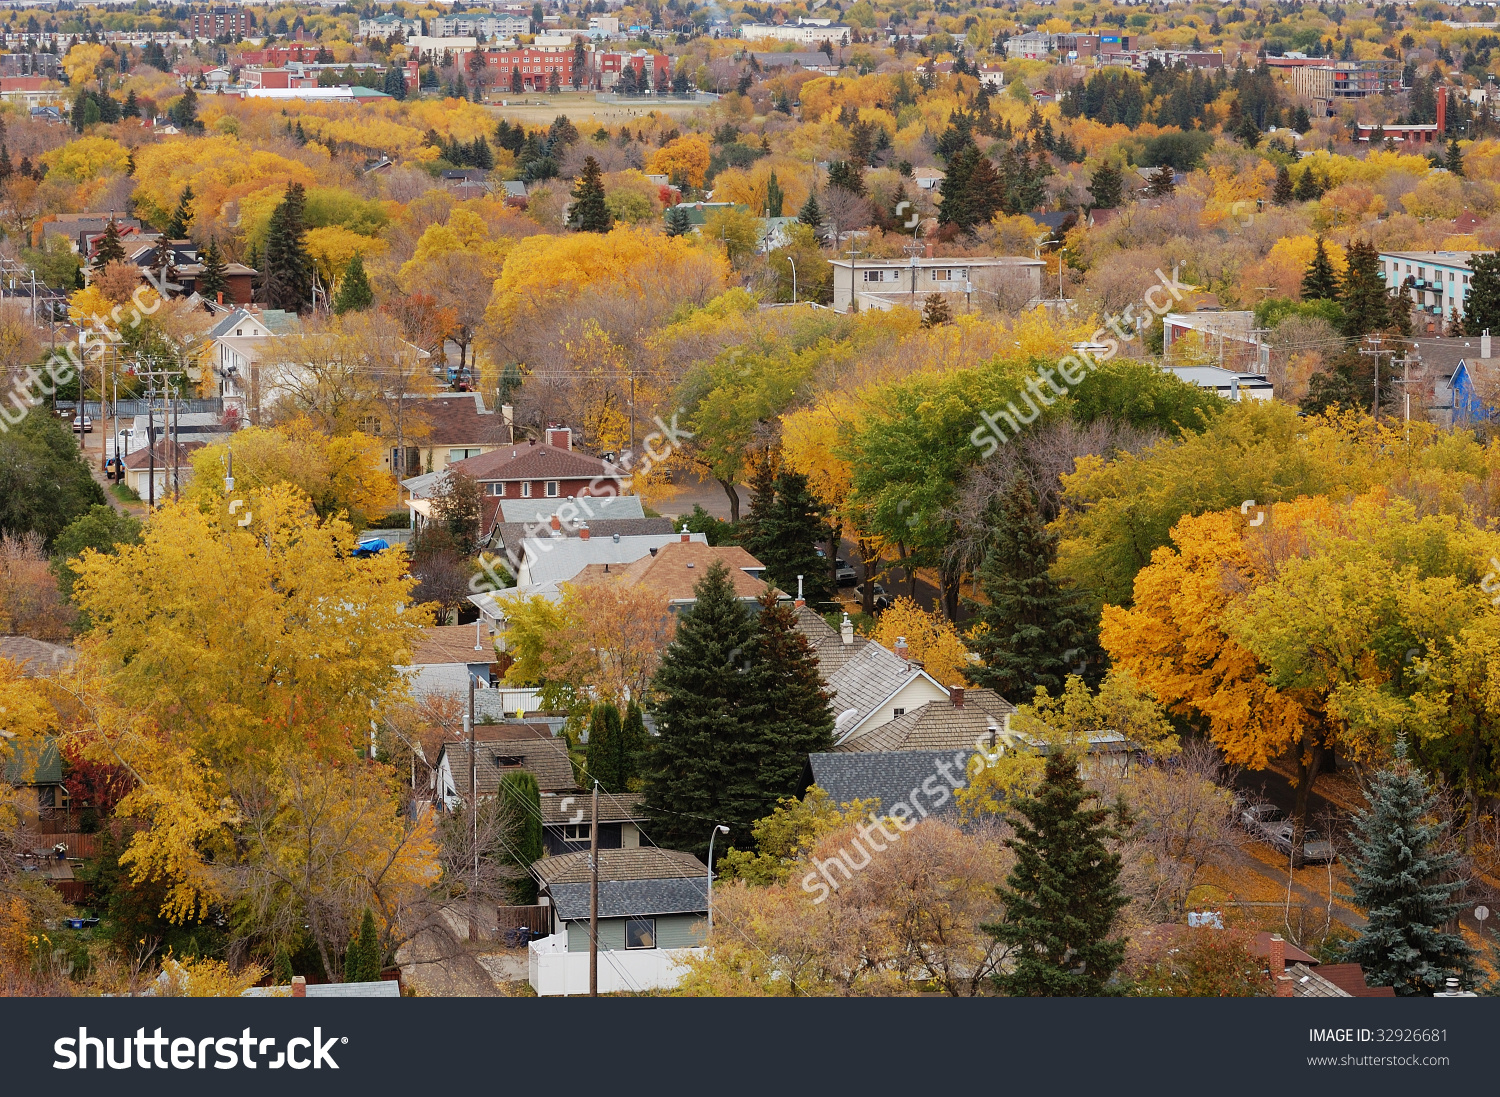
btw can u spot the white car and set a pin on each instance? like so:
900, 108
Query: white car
86, 423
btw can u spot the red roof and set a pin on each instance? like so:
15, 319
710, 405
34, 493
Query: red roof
1350, 978
141, 458
535, 461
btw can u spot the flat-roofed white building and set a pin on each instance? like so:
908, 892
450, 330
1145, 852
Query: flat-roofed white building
972, 281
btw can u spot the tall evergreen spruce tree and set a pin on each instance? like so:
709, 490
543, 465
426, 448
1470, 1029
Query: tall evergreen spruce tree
784, 537
811, 214
679, 222
354, 293
799, 718
774, 196
1063, 894
1281, 193
1036, 627
1106, 187
521, 820
362, 958
1320, 283
287, 274
182, 217
588, 213
607, 759
1362, 292
214, 279
1455, 158
110, 250
1404, 883
709, 705
1307, 187
1482, 308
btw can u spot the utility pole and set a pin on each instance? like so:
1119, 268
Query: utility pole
594, 895
473, 811
1375, 353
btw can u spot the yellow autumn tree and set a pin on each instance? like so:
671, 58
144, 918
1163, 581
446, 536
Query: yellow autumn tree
930, 638
685, 157
86, 158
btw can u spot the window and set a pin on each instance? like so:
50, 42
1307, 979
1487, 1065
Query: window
497, 489
898, 712
1450, 276
461, 454
575, 832
370, 424
640, 933
551, 489
526, 490
940, 275
874, 275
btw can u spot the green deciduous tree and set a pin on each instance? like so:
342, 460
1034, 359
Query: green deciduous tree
1063, 894
44, 482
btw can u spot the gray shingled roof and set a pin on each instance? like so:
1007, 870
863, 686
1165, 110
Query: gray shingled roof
513, 533
870, 676
938, 725
36, 656
889, 776
588, 508
624, 808
826, 642
558, 559
632, 898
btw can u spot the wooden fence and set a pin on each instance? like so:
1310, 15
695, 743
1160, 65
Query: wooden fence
534, 918
83, 846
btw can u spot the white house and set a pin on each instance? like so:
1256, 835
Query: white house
1226, 383
807, 32
384, 26
886, 283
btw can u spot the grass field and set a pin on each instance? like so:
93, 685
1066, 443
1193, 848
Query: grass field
581, 106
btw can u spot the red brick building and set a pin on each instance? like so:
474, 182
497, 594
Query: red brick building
220, 21
279, 55
536, 67
611, 65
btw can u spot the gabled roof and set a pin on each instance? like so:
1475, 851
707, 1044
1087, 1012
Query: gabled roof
938, 725
36, 656
560, 808
545, 759
587, 507
827, 643
167, 452
890, 776
677, 568
1307, 983
514, 533
535, 461
632, 898
867, 679
559, 559
458, 420
1350, 978
453, 644
34, 762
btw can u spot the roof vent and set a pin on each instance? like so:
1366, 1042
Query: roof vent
690, 563
617, 538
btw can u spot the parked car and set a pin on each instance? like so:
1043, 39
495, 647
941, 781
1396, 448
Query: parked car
882, 600
114, 469
86, 423
844, 573
1270, 825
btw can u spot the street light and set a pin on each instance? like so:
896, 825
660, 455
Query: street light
718, 830
793, 265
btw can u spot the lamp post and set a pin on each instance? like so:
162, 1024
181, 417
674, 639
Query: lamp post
718, 830
792, 263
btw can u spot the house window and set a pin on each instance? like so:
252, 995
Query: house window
873, 275
370, 424
461, 454
576, 832
497, 489
640, 933
526, 490
898, 712
551, 489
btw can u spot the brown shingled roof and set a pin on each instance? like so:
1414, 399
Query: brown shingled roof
938, 725
452, 644
678, 566
456, 421
1350, 978
646, 863
141, 458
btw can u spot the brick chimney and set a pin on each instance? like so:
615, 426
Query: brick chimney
560, 437
686, 537
901, 648
583, 532
299, 987
956, 695
927, 252
556, 522
1276, 964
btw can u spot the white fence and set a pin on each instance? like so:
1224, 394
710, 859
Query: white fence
553, 970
